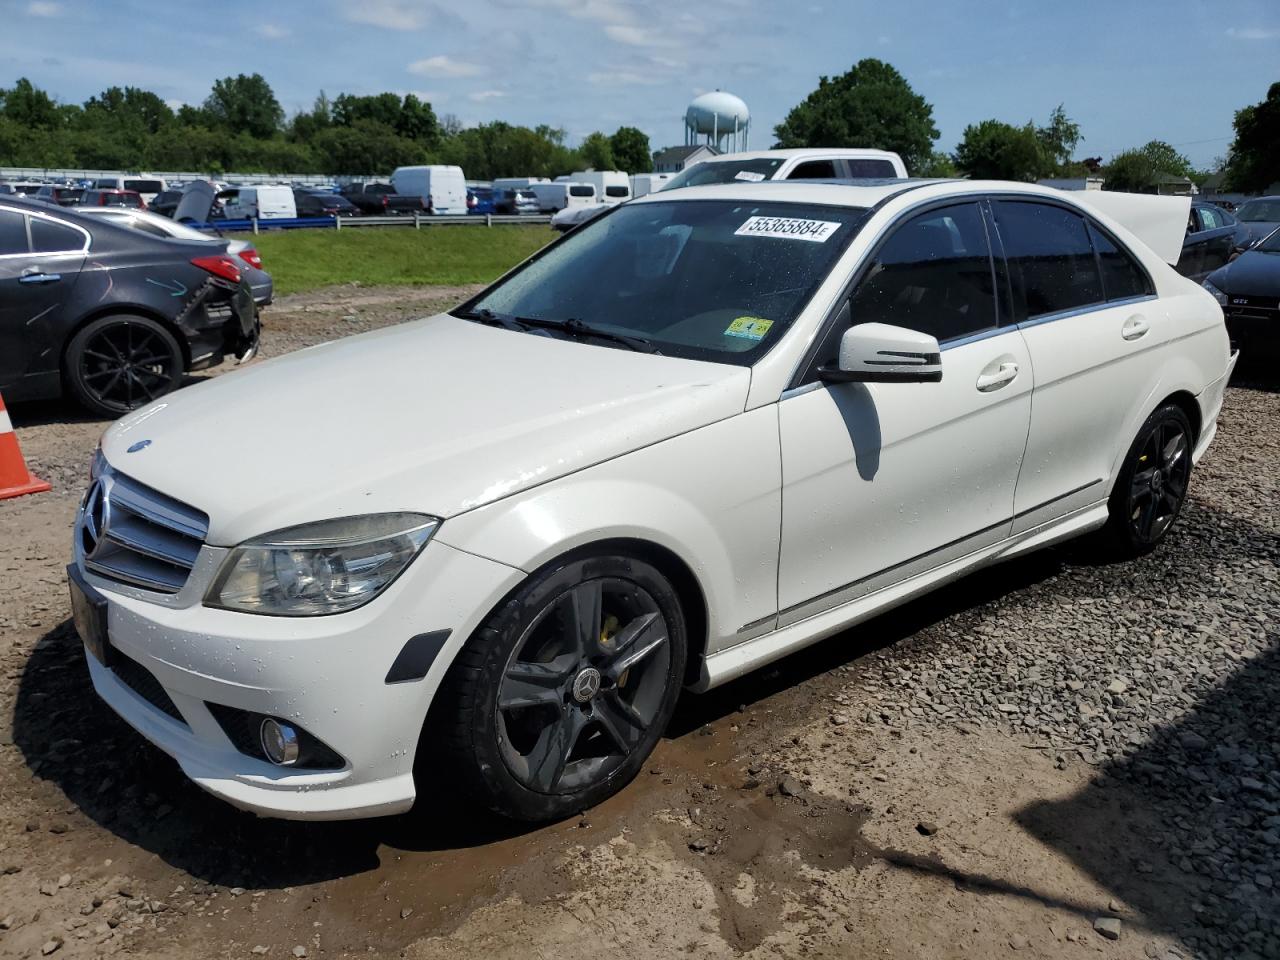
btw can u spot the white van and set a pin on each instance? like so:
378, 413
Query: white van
517, 183
563, 194
265, 203
645, 183
143, 184
612, 186
442, 187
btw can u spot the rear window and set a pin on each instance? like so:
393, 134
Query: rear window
871, 169
27, 189
105, 184
144, 186
526, 194
726, 171
49, 237
1050, 255
580, 190
119, 199
380, 188
617, 191
13, 232
1122, 275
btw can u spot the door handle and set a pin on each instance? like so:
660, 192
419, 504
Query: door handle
1135, 327
40, 278
1002, 376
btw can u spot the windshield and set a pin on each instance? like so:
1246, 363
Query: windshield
725, 171
1270, 243
717, 280
1267, 209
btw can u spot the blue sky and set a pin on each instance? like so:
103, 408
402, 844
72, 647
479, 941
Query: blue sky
1128, 72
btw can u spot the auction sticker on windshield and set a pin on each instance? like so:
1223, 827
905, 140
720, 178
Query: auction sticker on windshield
749, 328
788, 228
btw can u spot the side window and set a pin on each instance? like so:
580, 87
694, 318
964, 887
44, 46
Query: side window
13, 233
1122, 275
813, 170
932, 275
50, 237
1050, 257
1209, 218
861, 168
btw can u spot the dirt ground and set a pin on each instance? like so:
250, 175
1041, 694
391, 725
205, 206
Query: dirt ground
781, 817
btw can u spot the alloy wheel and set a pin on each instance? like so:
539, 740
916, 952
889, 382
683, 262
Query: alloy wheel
583, 684
1159, 481
125, 365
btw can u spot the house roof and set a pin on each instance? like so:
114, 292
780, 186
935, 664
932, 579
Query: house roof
681, 154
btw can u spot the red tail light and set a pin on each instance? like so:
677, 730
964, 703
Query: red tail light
220, 266
251, 256
385, 198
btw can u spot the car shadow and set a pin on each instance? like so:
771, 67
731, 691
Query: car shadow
70, 737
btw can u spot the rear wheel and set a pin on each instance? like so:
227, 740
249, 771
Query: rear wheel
121, 362
563, 692
1152, 486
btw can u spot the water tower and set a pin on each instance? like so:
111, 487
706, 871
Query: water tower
721, 118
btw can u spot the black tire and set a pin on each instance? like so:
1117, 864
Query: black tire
120, 362
1152, 485
517, 718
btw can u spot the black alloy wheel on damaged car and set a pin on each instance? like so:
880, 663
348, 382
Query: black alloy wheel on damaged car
118, 363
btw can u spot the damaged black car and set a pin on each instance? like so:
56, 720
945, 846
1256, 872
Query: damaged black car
109, 316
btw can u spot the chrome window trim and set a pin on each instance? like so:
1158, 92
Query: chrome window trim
44, 216
1080, 311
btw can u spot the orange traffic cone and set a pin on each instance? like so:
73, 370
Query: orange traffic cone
15, 478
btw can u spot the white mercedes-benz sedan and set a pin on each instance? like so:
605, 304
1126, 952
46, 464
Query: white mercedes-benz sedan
485, 551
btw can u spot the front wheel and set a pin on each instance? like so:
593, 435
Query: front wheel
1152, 486
117, 363
562, 693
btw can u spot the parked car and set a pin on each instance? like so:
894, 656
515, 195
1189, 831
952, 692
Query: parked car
480, 200
112, 198
807, 163
516, 183
259, 280
311, 204
643, 183
24, 188
560, 195
514, 200
59, 196
165, 202
441, 186
1260, 216
612, 186
1213, 238
110, 316
1248, 289
148, 187
264, 203
381, 200
707, 429
571, 218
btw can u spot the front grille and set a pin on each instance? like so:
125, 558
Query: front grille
135, 535
1251, 312
144, 683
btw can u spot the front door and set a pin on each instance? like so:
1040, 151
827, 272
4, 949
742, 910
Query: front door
884, 480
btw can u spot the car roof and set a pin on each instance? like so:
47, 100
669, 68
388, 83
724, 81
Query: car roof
789, 152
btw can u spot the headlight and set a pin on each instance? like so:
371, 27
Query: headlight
1217, 294
320, 568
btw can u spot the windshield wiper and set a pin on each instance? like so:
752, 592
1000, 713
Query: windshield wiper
488, 317
584, 331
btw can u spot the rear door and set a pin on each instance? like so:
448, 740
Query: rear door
1086, 308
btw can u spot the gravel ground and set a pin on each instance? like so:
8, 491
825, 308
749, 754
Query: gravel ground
1049, 757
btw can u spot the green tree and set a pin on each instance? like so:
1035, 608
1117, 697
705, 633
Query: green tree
418, 121
1140, 170
939, 165
27, 105
305, 125
630, 149
993, 150
870, 106
597, 152
365, 147
245, 104
1059, 138
1254, 159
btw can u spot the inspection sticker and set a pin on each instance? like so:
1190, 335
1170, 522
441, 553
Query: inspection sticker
788, 228
749, 175
749, 328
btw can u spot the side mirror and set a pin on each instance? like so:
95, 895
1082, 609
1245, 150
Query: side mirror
882, 353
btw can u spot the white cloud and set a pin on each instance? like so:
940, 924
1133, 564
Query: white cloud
443, 66
624, 78
174, 104
1252, 33
272, 31
390, 14
480, 96
635, 36
882, 40
43, 8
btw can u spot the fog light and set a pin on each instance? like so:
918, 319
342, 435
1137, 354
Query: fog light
279, 742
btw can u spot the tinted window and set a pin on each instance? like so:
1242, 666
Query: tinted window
726, 171
1050, 257
617, 191
1122, 275
813, 170
932, 275
144, 186
49, 237
582, 191
13, 232
871, 169
105, 184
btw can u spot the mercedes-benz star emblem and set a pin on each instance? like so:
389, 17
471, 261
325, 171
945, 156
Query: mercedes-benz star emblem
97, 510
586, 685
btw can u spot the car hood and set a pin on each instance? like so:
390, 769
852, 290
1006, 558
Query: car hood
196, 203
1257, 229
437, 416
1252, 274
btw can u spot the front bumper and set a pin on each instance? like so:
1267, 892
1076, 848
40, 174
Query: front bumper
327, 675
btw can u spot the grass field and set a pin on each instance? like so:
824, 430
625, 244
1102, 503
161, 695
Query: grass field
300, 260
